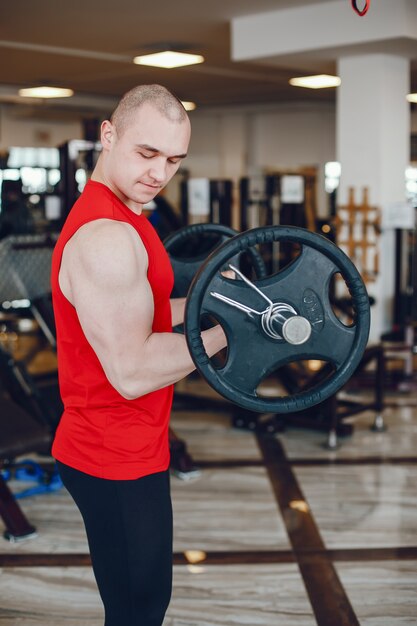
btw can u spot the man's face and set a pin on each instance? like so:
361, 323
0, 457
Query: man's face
144, 156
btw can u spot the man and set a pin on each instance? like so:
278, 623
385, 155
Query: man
165, 221
118, 359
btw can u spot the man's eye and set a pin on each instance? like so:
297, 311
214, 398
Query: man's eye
174, 161
146, 156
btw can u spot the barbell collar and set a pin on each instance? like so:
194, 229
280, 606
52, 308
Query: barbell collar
296, 330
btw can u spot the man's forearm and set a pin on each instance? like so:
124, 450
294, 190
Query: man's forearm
177, 310
167, 360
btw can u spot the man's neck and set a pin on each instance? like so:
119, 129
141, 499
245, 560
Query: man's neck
99, 177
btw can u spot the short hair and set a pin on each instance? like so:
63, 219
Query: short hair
158, 96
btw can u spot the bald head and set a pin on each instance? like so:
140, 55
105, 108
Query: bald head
157, 96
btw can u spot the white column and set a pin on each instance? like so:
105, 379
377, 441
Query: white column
373, 147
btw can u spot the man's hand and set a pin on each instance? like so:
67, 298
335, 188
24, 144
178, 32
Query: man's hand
229, 274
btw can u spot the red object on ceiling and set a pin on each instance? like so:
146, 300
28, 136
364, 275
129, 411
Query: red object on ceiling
359, 11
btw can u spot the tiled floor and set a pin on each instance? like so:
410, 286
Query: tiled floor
383, 592
341, 552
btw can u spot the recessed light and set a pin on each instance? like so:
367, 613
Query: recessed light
45, 92
412, 97
168, 59
320, 81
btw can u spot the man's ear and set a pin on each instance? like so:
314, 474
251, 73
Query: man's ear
107, 134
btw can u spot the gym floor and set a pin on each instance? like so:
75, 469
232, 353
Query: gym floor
276, 531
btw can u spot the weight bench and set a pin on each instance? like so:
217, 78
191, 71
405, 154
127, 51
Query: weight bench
40, 399
43, 312
341, 408
20, 434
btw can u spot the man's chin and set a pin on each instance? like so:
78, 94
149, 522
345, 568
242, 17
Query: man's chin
139, 200
146, 194
144, 199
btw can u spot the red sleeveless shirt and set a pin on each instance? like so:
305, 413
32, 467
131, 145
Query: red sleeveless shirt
100, 432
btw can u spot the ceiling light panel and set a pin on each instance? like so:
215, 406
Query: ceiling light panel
320, 81
188, 106
46, 92
168, 59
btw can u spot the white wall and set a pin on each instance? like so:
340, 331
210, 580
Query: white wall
231, 143
18, 130
226, 143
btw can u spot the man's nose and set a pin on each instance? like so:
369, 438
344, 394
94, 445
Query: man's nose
157, 169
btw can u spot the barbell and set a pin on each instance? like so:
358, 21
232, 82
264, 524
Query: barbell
273, 321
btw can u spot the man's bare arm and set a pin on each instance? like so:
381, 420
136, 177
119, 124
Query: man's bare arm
104, 275
177, 310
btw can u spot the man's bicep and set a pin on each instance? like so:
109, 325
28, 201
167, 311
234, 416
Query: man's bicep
113, 299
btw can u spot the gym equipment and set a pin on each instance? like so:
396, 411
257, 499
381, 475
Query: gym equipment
162, 216
358, 227
260, 203
286, 197
328, 416
182, 464
401, 342
26, 275
204, 198
30, 471
39, 399
189, 247
284, 318
25, 262
77, 159
21, 434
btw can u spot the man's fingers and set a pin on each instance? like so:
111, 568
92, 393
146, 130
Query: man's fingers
229, 274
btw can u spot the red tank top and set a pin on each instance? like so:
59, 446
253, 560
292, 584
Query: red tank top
100, 432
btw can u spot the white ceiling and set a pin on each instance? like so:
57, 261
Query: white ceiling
88, 45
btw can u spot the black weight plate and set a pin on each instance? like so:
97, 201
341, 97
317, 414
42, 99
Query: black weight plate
252, 355
185, 267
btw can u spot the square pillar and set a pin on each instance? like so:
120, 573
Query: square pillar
373, 147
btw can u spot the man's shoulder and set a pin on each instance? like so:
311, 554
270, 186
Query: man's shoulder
104, 227
104, 243
95, 201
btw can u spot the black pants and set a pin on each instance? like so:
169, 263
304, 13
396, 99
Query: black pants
129, 531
